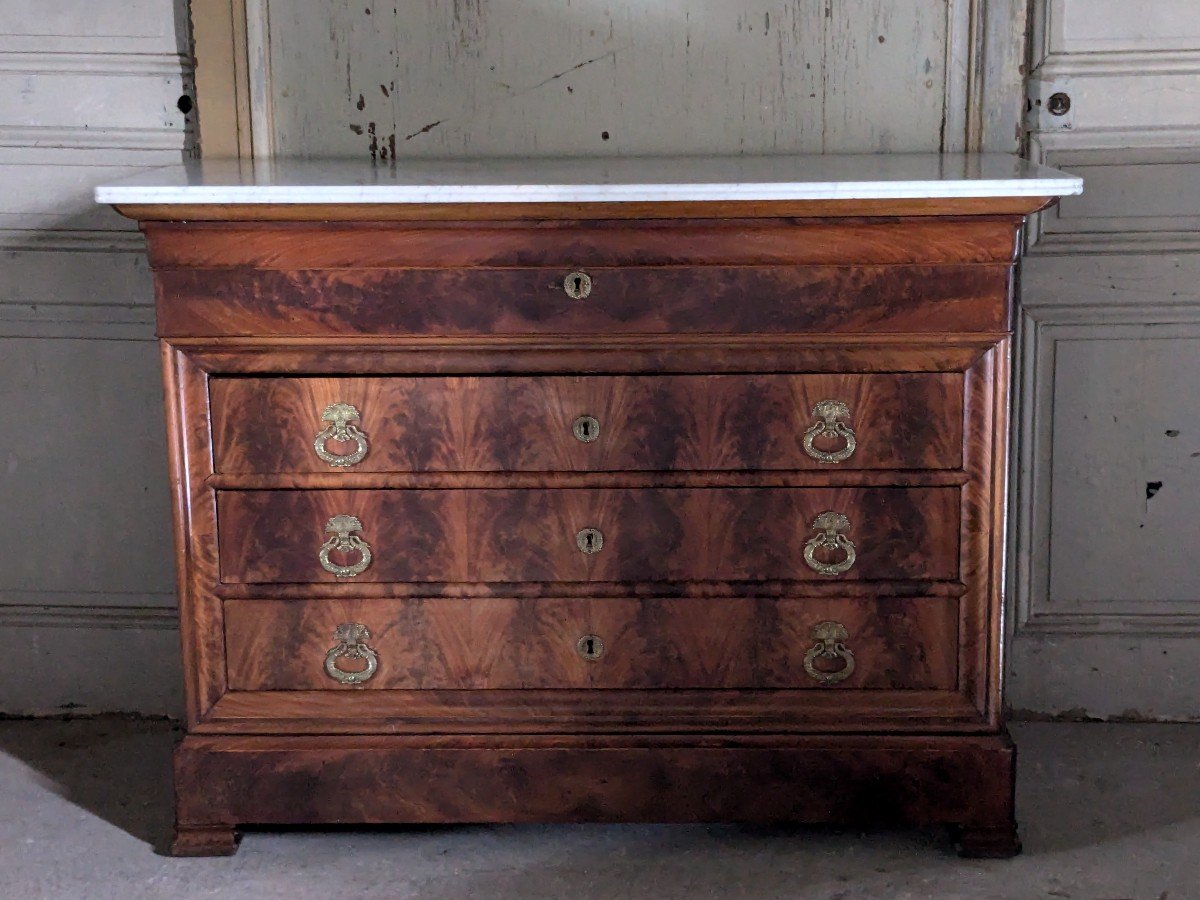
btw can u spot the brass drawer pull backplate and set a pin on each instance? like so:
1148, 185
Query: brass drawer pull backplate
345, 540
829, 414
830, 643
339, 416
351, 644
830, 524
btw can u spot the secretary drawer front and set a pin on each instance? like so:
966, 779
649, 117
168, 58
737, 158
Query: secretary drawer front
494, 643
624, 300
569, 535
587, 423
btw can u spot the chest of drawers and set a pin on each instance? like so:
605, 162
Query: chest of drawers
590, 511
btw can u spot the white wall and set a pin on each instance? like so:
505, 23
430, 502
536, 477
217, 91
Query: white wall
88, 91
1106, 583
548, 77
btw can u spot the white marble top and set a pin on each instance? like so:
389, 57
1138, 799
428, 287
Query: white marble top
595, 180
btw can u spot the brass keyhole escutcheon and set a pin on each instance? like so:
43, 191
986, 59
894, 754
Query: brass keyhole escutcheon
578, 285
586, 428
590, 647
590, 540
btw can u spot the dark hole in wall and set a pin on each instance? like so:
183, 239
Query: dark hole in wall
185, 104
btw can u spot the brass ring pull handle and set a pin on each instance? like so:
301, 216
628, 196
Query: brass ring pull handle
344, 539
339, 416
578, 285
351, 644
830, 414
830, 524
830, 643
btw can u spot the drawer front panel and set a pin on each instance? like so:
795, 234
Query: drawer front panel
633, 423
569, 535
495, 643
631, 300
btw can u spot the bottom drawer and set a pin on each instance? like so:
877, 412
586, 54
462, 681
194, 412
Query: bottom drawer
479, 644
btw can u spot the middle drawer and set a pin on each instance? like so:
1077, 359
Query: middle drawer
588, 535
587, 423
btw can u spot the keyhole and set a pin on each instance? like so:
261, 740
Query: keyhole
590, 540
577, 285
590, 647
586, 428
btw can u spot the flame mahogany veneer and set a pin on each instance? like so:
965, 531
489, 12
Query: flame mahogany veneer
701, 351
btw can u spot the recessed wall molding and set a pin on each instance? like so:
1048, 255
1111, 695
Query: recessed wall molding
72, 321
1111, 28
1152, 242
1044, 330
93, 616
1139, 183
94, 63
83, 138
97, 241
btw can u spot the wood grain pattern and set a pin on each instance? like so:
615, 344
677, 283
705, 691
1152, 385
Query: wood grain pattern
486, 644
568, 212
751, 242
963, 781
613, 711
531, 301
530, 535
701, 347
647, 423
702, 354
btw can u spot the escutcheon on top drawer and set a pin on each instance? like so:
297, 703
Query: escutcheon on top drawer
587, 423
757, 276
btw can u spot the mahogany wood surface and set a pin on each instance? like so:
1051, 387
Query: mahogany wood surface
611, 711
730, 209
701, 350
570, 246
962, 781
617, 354
493, 643
645, 423
624, 300
719, 534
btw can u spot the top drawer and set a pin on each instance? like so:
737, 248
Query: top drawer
591, 301
587, 423
767, 276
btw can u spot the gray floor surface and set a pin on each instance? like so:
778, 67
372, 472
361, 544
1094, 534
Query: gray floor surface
1107, 812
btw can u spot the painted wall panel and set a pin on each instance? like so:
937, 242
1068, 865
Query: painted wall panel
513, 77
86, 468
1092, 26
1107, 593
117, 26
1127, 194
1126, 470
88, 92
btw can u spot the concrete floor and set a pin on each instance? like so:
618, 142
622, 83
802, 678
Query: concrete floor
1108, 811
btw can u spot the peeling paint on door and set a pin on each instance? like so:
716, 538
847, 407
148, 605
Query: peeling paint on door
506, 77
